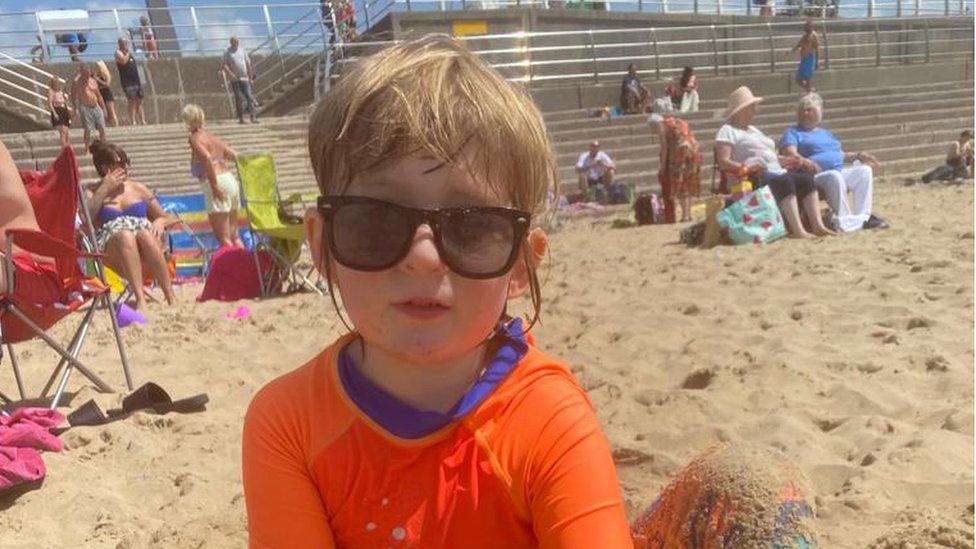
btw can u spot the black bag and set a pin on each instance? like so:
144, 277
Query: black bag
644, 208
618, 193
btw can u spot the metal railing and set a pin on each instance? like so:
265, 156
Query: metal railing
28, 90
602, 55
204, 30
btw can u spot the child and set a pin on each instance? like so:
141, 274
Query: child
809, 50
57, 105
148, 38
436, 423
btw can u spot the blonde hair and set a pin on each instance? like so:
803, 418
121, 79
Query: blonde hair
432, 95
193, 116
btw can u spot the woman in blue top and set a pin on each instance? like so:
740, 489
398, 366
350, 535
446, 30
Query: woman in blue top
129, 222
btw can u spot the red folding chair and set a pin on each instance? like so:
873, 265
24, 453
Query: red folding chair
55, 197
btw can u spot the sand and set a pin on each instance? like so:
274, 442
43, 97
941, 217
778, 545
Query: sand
852, 355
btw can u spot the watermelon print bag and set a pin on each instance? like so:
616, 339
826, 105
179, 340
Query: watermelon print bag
754, 218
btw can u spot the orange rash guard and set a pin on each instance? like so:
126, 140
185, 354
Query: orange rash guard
527, 467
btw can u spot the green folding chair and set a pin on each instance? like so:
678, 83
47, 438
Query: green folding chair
279, 235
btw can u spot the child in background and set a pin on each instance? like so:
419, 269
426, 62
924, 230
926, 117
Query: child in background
148, 38
57, 105
437, 422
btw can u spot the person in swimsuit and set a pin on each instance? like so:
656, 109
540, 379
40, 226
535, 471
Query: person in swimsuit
88, 103
57, 105
131, 85
129, 222
104, 79
809, 49
437, 421
148, 38
209, 164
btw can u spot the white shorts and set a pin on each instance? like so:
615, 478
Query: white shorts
227, 183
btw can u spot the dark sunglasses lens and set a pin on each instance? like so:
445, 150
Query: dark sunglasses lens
477, 243
369, 236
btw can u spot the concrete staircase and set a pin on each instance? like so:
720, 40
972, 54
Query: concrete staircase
160, 154
906, 127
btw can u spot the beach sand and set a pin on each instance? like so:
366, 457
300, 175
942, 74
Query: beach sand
852, 355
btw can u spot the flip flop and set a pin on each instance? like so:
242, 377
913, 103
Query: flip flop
153, 398
88, 414
149, 397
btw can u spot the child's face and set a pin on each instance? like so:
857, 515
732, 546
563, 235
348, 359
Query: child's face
419, 310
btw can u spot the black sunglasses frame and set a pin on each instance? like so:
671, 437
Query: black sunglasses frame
435, 219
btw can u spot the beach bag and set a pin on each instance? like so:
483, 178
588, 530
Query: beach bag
754, 218
648, 209
619, 193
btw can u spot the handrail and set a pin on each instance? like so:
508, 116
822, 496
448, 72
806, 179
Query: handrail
21, 88
24, 103
597, 54
29, 66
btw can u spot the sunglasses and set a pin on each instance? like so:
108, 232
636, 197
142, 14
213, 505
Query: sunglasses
367, 234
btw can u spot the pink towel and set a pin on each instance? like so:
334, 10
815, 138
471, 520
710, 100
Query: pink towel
30, 428
18, 465
21, 435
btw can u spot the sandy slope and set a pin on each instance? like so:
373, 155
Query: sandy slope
853, 355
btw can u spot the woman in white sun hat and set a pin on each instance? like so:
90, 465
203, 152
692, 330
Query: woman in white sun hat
741, 149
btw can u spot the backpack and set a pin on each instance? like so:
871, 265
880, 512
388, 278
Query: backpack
648, 209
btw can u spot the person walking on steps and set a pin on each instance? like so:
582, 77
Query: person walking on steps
238, 69
809, 49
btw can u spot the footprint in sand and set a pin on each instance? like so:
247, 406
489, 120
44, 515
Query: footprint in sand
698, 380
919, 322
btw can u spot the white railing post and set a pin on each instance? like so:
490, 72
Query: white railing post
45, 50
897, 8
664, 6
118, 23
718, 7
918, 7
196, 29
271, 32
870, 8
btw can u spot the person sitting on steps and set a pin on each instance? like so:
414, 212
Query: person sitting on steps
595, 168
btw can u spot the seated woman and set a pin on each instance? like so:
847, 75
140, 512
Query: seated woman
129, 222
740, 148
634, 95
959, 159
688, 86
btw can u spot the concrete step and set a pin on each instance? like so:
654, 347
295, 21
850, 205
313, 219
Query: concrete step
831, 97
845, 134
649, 164
880, 140
773, 124
957, 100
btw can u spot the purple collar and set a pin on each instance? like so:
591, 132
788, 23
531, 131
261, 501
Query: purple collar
405, 421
